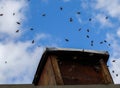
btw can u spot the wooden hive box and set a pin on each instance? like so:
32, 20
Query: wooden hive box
60, 66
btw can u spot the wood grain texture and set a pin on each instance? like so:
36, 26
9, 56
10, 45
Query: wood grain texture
56, 70
106, 75
77, 73
47, 76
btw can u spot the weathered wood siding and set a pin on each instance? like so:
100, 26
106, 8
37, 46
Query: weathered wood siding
105, 72
57, 73
74, 70
76, 73
47, 77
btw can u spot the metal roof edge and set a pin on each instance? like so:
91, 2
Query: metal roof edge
73, 49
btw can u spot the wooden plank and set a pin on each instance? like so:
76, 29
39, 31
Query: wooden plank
76, 73
52, 80
56, 70
47, 77
106, 75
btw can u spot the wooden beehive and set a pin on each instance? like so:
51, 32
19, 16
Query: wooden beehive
72, 67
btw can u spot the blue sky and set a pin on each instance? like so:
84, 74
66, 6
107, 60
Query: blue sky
19, 57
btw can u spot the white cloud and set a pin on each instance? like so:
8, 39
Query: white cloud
18, 60
109, 6
111, 9
41, 36
97, 9
114, 45
103, 21
21, 62
22, 56
118, 32
115, 66
8, 23
85, 4
115, 55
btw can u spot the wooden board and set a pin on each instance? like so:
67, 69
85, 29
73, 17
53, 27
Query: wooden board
74, 71
77, 73
106, 75
47, 76
57, 73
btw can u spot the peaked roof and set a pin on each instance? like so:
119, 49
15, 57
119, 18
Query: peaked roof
93, 55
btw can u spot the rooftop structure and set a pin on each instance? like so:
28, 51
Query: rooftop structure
70, 68
63, 66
